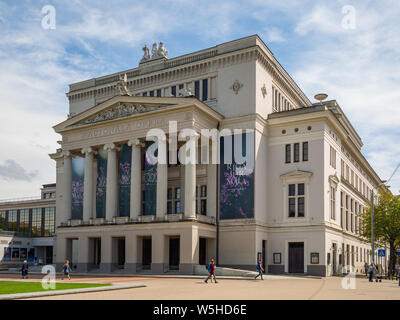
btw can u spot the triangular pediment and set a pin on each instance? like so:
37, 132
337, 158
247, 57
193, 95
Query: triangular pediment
296, 174
120, 107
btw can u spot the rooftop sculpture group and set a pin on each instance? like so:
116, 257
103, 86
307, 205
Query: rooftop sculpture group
156, 52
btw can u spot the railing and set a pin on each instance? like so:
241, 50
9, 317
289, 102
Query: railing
4, 201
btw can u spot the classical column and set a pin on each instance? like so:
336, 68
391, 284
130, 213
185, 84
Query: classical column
88, 185
112, 181
190, 180
136, 178
67, 185
162, 179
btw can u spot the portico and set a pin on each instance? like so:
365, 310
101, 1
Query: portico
103, 131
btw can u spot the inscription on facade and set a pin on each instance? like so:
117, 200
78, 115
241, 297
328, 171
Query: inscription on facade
122, 128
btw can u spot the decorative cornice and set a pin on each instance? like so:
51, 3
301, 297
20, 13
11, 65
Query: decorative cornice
136, 142
88, 150
110, 147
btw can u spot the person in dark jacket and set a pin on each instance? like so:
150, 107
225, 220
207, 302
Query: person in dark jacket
24, 270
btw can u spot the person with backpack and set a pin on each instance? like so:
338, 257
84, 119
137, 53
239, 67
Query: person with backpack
66, 270
24, 269
260, 270
211, 271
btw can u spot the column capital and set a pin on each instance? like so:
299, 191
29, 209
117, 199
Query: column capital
110, 146
66, 153
88, 150
135, 142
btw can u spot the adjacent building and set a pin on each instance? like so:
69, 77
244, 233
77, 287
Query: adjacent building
27, 228
297, 208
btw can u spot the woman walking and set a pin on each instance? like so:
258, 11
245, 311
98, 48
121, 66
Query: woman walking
66, 270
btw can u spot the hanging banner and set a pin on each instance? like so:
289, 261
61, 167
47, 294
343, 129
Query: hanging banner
78, 172
150, 182
101, 184
125, 180
237, 176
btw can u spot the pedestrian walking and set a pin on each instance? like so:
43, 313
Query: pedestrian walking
372, 270
211, 271
366, 268
260, 270
66, 270
24, 269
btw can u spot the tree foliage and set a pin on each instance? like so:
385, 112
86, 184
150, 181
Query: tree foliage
386, 223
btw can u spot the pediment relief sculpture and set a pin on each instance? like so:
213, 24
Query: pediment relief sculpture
122, 110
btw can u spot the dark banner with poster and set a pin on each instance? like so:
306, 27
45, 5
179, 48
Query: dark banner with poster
78, 172
150, 181
237, 176
125, 180
101, 184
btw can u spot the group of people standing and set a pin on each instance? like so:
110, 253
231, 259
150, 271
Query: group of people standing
373, 271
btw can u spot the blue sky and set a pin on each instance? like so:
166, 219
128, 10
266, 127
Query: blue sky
359, 67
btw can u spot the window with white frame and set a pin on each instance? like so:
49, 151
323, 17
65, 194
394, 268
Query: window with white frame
333, 202
332, 157
201, 199
296, 202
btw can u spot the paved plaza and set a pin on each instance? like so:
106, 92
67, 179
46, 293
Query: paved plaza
273, 287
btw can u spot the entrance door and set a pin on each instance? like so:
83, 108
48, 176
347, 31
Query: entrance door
146, 253
49, 255
296, 257
121, 252
203, 251
174, 253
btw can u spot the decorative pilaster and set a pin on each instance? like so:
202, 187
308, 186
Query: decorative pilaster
112, 181
88, 185
136, 178
67, 185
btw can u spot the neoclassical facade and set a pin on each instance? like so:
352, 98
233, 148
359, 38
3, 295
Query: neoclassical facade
296, 208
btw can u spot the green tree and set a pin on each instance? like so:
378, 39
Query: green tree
386, 224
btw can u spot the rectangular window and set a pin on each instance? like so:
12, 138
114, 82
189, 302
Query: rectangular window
300, 207
296, 157
347, 212
205, 90
173, 91
3, 220
177, 200
341, 209
333, 157
333, 203
169, 201
12, 220
24, 222
197, 89
49, 222
287, 153
36, 222
144, 94
305, 151
292, 207
352, 215
158, 92
151, 93
342, 168
296, 200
